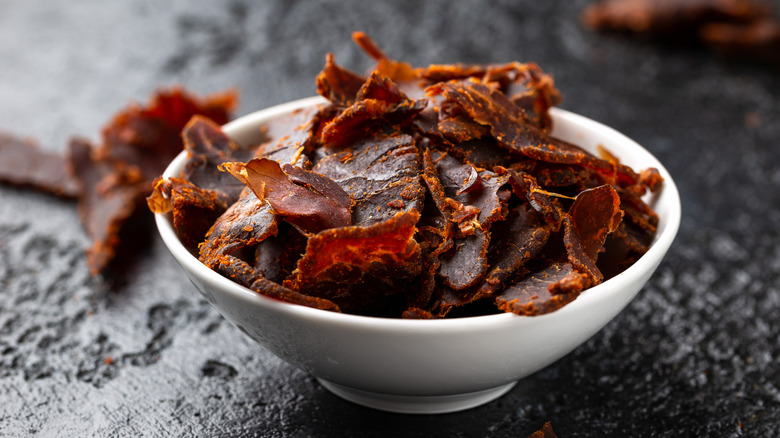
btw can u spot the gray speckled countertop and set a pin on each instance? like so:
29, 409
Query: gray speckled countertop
697, 353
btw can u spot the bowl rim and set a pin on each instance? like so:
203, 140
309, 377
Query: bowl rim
605, 290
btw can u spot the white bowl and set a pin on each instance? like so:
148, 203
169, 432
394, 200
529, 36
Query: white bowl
430, 366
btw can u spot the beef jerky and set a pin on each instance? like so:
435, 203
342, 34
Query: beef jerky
338, 85
148, 137
245, 224
526, 187
533, 295
24, 164
545, 432
193, 209
137, 145
520, 239
276, 256
363, 270
379, 173
758, 40
677, 19
274, 290
309, 201
592, 217
208, 148
294, 136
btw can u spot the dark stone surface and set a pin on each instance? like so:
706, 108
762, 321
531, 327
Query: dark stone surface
139, 353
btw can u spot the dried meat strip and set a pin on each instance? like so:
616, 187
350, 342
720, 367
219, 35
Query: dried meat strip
208, 148
594, 214
23, 163
193, 209
381, 175
307, 200
533, 295
364, 270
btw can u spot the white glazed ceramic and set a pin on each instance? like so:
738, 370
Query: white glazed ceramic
430, 366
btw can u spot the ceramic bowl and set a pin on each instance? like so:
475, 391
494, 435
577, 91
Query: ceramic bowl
430, 366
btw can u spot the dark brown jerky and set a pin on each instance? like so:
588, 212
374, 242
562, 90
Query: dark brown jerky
362, 118
515, 242
758, 40
307, 200
338, 85
545, 432
208, 148
245, 224
293, 136
277, 256
594, 215
23, 164
148, 137
379, 173
193, 209
526, 187
465, 263
137, 145
678, 19
108, 199
274, 290
533, 295
365, 270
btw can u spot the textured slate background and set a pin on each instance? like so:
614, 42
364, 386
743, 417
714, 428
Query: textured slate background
696, 353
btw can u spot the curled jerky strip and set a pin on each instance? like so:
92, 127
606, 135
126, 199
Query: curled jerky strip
307, 200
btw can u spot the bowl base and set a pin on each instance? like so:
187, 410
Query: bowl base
403, 404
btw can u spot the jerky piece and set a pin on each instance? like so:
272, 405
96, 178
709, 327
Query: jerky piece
137, 145
520, 238
465, 264
359, 120
545, 432
309, 201
22, 163
294, 135
542, 291
678, 19
399, 72
246, 223
492, 108
526, 187
379, 173
364, 270
593, 216
148, 137
208, 148
338, 85
108, 199
279, 292
758, 40
277, 256
194, 209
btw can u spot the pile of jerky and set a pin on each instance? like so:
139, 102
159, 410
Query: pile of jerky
413, 192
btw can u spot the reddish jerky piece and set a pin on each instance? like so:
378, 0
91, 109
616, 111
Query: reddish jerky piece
193, 209
279, 292
293, 136
360, 119
338, 85
276, 256
246, 223
395, 70
520, 239
526, 187
307, 200
758, 40
465, 264
364, 270
545, 432
380, 173
593, 216
208, 148
532, 295
148, 138
108, 199
678, 19
23, 164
